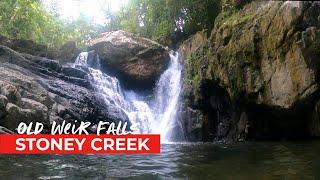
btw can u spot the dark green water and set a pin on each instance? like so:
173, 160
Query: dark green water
181, 161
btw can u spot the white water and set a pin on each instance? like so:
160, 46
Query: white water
156, 116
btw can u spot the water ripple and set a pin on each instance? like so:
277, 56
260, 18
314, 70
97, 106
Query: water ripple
181, 161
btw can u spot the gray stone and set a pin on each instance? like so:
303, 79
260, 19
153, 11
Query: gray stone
35, 86
136, 61
3, 104
4, 130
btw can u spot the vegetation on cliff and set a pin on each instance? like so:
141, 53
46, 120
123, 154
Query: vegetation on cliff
263, 58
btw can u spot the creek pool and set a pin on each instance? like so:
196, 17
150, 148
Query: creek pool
251, 160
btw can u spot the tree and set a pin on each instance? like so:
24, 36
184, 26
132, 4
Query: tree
155, 19
29, 19
163, 18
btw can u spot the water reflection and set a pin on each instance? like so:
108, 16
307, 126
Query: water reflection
192, 161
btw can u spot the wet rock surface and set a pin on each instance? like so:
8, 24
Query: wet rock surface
39, 89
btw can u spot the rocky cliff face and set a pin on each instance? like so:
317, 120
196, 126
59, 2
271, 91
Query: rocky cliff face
257, 75
38, 89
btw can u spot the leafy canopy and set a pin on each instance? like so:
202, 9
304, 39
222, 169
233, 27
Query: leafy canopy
162, 18
156, 19
29, 19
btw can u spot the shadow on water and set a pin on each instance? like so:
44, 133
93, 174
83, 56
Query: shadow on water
185, 160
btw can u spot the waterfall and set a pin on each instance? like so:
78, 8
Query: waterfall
167, 94
156, 116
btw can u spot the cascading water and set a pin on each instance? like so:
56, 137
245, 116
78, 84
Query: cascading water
166, 98
157, 116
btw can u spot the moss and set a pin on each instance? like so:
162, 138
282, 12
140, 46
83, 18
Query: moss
192, 68
195, 71
236, 19
196, 80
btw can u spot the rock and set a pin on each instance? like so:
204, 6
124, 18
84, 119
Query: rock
67, 53
137, 62
193, 124
39, 89
4, 130
314, 126
64, 54
265, 58
3, 104
73, 72
243, 125
44, 62
16, 115
32, 104
40, 109
276, 69
193, 43
25, 46
60, 110
12, 93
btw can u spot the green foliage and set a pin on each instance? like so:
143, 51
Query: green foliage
28, 19
19, 17
234, 18
165, 18
156, 19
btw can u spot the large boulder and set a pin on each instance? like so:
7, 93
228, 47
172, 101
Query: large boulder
15, 115
39, 89
263, 59
137, 62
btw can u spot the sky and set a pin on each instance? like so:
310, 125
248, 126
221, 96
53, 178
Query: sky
93, 9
